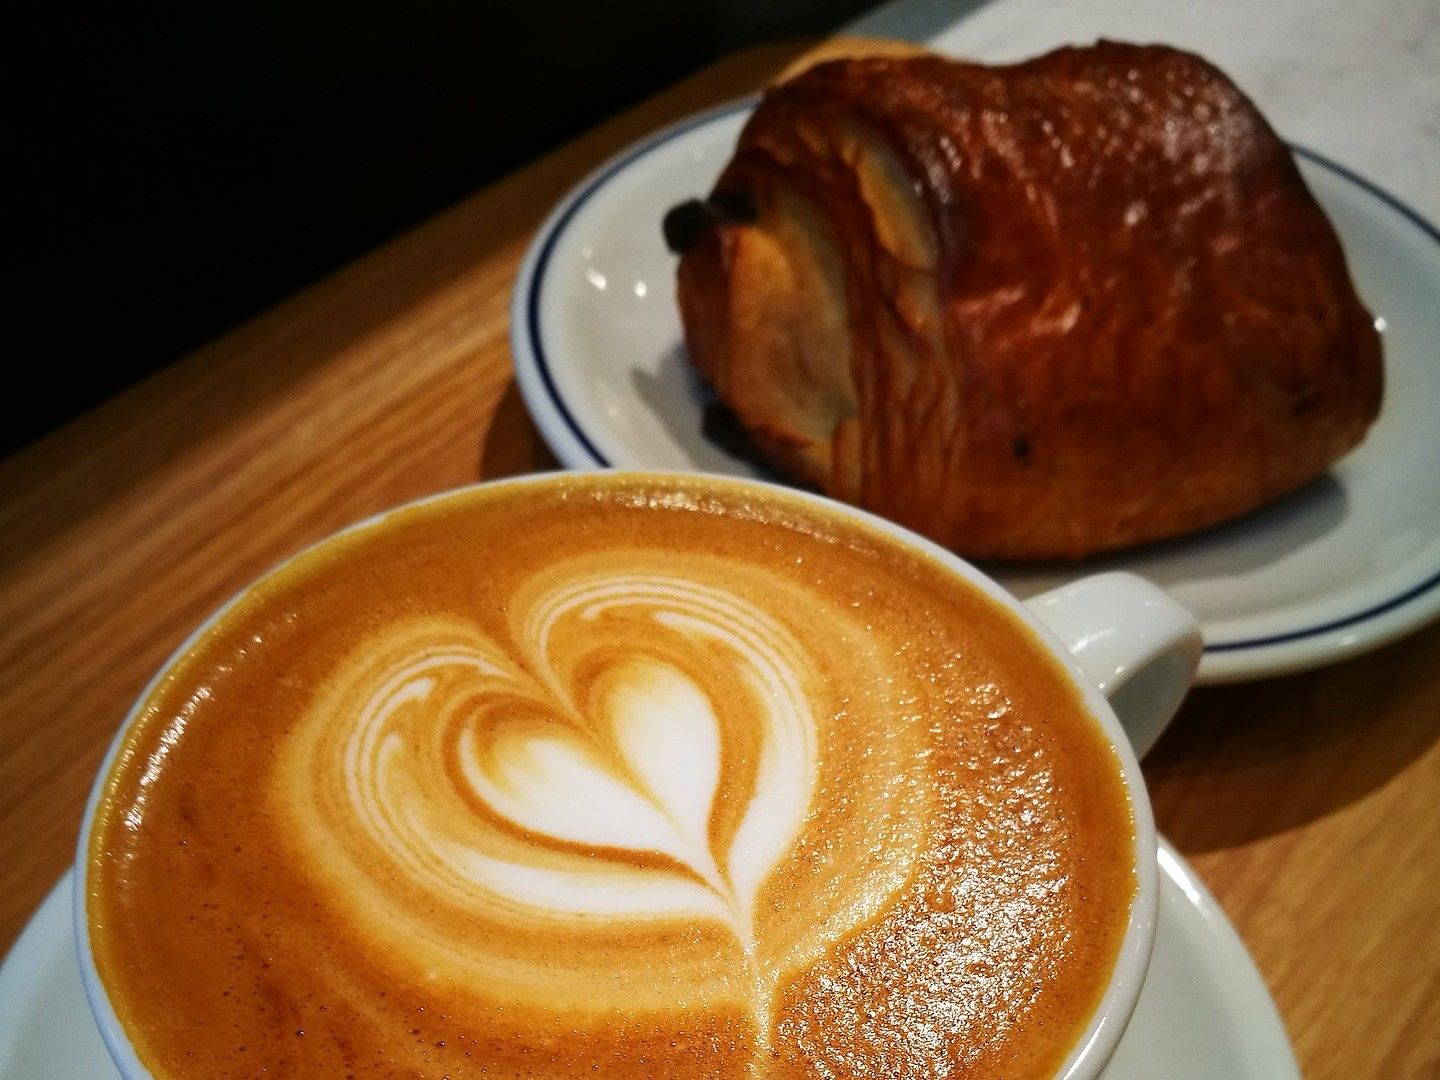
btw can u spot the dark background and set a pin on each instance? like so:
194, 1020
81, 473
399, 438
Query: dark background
182, 167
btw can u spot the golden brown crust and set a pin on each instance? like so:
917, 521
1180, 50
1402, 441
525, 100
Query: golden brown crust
1032, 311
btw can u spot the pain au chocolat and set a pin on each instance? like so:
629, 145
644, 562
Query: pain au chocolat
1032, 311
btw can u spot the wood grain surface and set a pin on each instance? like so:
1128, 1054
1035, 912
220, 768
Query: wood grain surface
1310, 805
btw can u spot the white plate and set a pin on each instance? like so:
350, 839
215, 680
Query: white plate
1203, 1012
1347, 564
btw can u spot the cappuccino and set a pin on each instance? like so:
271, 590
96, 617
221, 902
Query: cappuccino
617, 776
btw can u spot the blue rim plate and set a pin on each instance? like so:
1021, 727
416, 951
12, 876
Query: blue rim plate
1347, 564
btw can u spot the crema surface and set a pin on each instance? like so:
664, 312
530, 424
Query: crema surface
617, 777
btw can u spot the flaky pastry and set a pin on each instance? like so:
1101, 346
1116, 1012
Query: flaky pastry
1032, 311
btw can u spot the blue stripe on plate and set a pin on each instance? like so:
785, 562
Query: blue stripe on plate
537, 279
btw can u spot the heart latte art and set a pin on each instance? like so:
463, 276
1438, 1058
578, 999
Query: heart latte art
620, 777
641, 749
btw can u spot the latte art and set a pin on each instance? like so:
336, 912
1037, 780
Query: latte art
571, 772
629, 777
635, 752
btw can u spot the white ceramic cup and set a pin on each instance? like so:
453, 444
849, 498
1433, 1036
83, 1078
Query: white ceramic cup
1130, 649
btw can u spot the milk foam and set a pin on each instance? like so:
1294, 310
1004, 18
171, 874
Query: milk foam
488, 776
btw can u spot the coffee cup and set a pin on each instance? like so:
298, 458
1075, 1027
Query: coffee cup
678, 788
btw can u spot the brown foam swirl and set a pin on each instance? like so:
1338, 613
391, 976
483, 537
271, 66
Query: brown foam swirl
641, 750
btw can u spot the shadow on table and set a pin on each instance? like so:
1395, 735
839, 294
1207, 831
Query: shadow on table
1248, 761
512, 443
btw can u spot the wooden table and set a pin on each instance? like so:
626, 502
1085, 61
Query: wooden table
1310, 805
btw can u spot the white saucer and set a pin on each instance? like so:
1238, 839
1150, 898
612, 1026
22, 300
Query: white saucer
1347, 564
1203, 1012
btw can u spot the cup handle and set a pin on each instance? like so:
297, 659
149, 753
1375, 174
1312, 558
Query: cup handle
1138, 646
